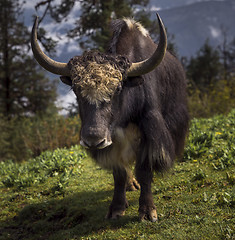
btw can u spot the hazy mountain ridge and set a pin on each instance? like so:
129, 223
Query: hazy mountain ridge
167, 4
193, 24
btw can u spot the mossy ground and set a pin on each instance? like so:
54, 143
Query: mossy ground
194, 200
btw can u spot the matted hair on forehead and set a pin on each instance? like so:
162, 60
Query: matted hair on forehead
98, 75
119, 62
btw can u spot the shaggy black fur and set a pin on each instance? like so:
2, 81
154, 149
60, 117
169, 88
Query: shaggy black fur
160, 102
157, 106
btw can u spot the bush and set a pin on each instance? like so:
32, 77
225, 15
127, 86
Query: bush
59, 164
24, 138
218, 99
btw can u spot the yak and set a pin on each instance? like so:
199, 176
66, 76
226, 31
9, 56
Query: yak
133, 108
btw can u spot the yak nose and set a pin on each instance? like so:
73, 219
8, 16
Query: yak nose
95, 143
95, 138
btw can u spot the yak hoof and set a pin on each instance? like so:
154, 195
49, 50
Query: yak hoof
132, 185
113, 215
116, 211
150, 214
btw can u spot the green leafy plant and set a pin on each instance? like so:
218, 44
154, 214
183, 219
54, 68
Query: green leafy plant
212, 139
60, 164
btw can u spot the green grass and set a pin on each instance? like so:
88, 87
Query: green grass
64, 195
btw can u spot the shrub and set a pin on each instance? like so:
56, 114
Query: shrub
218, 99
61, 164
24, 138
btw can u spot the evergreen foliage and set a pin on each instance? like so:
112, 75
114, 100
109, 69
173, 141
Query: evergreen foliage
96, 17
24, 88
24, 138
211, 76
204, 70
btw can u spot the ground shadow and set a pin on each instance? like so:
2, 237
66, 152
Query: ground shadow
74, 216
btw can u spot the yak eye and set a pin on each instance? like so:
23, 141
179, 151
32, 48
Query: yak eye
119, 88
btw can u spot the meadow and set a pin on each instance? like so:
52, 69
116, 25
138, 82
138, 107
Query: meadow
63, 194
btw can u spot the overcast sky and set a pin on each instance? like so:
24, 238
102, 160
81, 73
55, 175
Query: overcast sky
56, 31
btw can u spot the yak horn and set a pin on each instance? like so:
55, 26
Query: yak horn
46, 62
146, 66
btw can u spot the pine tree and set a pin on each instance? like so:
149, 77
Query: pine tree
94, 22
23, 86
205, 69
227, 55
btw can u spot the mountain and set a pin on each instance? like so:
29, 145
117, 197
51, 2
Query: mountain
193, 24
167, 4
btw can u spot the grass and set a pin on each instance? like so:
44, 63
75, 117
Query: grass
64, 195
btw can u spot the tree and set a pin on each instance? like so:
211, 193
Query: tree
24, 88
227, 55
211, 80
96, 18
92, 29
204, 70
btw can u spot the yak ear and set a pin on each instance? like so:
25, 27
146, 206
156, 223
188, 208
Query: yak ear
66, 80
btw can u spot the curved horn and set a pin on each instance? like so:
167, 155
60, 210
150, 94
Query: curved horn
46, 62
146, 66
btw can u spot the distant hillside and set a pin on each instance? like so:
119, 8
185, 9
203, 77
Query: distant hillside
164, 4
193, 24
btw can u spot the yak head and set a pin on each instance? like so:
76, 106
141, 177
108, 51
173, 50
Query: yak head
97, 79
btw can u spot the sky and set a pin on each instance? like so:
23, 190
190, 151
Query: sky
64, 44
56, 31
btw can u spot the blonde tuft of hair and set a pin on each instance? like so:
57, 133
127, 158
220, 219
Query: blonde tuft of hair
131, 23
98, 82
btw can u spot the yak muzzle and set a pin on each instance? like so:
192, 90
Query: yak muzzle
96, 144
95, 138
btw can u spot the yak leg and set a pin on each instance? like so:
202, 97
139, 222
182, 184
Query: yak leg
132, 184
119, 203
147, 209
